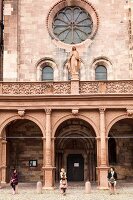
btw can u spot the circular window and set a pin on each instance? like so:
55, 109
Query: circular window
72, 25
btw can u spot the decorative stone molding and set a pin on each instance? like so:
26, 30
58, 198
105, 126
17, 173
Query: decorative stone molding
62, 88
33, 88
119, 87
66, 87
102, 110
21, 113
75, 111
48, 111
86, 87
130, 112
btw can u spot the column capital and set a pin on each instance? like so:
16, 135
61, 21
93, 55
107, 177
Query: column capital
102, 110
48, 111
4, 141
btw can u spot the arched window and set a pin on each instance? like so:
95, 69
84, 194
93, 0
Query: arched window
47, 73
112, 150
100, 73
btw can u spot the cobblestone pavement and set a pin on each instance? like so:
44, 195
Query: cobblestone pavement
28, 192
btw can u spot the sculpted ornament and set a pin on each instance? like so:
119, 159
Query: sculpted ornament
21, 113
130, 112
73, 63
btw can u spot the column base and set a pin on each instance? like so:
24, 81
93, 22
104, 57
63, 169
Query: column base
48, 188
102, 177
3, 184
48, 178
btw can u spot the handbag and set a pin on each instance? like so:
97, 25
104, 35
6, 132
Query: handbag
112, 180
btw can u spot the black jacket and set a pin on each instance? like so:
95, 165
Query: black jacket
110, 175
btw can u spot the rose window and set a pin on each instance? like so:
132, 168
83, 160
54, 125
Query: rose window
72, 25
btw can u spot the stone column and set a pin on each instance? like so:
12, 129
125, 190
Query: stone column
103, 168
0, 159
3, 162
48, 169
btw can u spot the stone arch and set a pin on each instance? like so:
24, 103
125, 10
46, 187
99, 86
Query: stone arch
23, 137
119, 132
75, 136
106, 63
15, 117
43, 62
124, 116
61, 120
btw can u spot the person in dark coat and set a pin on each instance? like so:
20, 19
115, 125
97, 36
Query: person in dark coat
14, 180
112, 178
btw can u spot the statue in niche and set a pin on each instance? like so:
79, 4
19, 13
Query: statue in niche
73, 63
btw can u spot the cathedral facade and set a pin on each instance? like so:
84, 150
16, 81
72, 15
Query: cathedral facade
52, 116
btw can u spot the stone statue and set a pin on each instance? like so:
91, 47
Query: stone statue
73, 63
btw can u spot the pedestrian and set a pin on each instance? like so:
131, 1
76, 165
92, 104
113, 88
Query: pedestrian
63, 181
14, 181
112, 178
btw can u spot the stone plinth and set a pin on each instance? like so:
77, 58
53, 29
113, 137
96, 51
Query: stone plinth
49, 177
74, 86
103, 181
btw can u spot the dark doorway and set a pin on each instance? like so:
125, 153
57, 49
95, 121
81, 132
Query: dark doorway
75, 167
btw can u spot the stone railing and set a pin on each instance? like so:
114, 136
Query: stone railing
106, 87
66, 87
35, 88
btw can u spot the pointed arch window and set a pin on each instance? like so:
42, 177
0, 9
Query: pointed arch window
100, 73
47, 73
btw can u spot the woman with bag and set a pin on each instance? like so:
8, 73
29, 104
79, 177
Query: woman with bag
112, 177
14, 180
63, 181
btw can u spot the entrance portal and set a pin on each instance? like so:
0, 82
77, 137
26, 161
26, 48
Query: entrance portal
75, 167
75, 150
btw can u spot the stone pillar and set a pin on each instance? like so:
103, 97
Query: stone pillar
0, 159
48, 169
3, 162
103, 168
75, 84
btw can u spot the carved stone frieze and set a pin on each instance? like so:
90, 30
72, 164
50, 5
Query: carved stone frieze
121, 87
62, 88
51, 88
88, 87
19, 88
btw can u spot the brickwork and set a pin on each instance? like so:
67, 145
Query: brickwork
27, 41
21, 150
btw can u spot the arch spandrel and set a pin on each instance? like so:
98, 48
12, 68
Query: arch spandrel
67, 117
17, 117
116, 119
